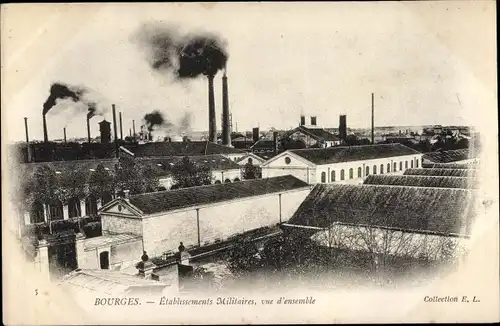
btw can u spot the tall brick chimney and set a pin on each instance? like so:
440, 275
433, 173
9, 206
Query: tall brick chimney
212, 124
226, 130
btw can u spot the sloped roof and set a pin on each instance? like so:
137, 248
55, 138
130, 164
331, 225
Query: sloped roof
443, 172
408, 208
450, 166
317, 133
165, 201
422, 181
353, 153
191, 148
451, 155
163, 165
28, 168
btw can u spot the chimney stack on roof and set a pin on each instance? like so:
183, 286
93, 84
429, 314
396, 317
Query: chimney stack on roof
226, 130
256, 134
302, 120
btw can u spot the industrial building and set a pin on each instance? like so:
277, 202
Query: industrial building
463, 173
342, 163
202, 215
456, 156
386, 220
311, 136
422, 181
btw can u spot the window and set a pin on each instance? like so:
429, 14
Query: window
36, 213
406, 164
237, 179
374, 169
411, 164
217, 182
104, 260
323, 177
91, 206
287, 160
395, 168
400, 166
381, 169
367, 170
227, 181
342, 176
351, 173
416, 163
360, 172
333, 176
250, 161
56, 210
388, 167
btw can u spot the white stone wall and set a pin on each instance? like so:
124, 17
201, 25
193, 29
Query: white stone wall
217, 221
314, 175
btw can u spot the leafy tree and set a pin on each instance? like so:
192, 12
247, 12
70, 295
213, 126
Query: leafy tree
251, 171
73, 183
186, 173
243, 257
135, 176
44, 185
101, 181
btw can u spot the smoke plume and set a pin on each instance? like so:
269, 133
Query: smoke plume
154, 119
184, 55
61, 91
185, 122
92, 110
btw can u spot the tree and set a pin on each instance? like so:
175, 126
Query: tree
135, 175
101, 181
72, 183
251, 171
243, 258
186, 173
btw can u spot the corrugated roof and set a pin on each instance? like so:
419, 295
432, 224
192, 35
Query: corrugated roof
109, 240
105, 281
450, 166
443, 172
191, 148
451, 155
353, 153
165, 201
409, 208
422, 181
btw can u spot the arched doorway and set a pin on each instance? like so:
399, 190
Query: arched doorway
342, 174
104, 260
90, 206
74, 207
367, 170
36, 213
351, 173
217, 182
227, 181
323, 177
360, 172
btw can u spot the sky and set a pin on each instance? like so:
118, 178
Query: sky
426, 63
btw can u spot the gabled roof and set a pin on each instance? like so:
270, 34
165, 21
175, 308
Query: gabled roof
450, 166
165, 201
451, 155
251, 155
190, 148
415, 209
422, 181
340, 154
88, 165
443, 172
316, 133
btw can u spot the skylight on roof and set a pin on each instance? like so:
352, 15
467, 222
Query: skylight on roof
92, 170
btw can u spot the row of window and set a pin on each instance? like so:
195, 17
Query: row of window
55, 210
359, 174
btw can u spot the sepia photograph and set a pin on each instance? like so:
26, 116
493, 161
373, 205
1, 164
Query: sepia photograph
250, 163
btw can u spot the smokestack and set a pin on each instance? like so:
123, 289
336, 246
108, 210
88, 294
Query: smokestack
45, 135
373, 122
130, 132
88, 130
133, 127
226, 132
212, 125
256, 135
343, 127
28, 148
121, 127
302, 120
313, 121
64, 131
114, 130
275, 141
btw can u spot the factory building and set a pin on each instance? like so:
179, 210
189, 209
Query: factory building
252, 159
309, 136
385, 220
185, 148
223, 171
463, 173
202, 215
342, 164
